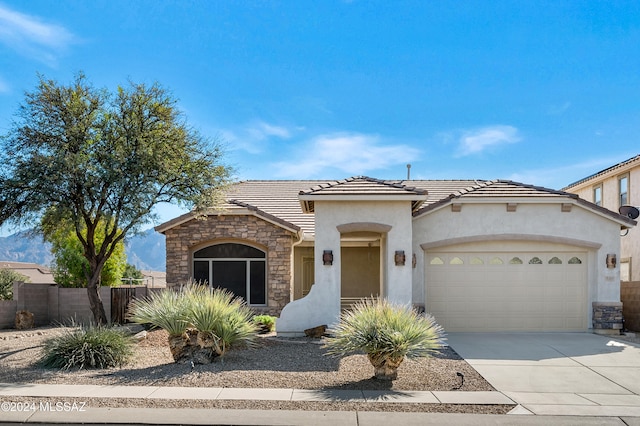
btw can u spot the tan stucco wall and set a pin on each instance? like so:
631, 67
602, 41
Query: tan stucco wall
184, 239
544, 222
630, 244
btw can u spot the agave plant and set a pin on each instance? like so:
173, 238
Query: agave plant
167, 310
386, 333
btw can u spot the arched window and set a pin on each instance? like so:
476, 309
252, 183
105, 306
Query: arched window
238, 268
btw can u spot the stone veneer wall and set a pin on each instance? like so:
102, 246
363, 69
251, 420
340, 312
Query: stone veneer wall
182, 239
607, 317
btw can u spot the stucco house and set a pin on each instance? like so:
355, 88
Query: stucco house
612, 188
478, 255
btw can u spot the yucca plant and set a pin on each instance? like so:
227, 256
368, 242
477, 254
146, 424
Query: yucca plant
167, 310
88, 347
386, 333
222, 320
215, 319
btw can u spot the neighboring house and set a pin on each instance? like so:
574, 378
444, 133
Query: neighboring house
612, 188
36, 273
478, 255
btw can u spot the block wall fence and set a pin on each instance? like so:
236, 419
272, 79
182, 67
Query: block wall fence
52, 305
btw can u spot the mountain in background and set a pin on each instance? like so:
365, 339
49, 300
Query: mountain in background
146, 251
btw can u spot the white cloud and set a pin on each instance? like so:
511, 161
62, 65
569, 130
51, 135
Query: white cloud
350, 153
478, 140
262, 130
30, 36
254, 137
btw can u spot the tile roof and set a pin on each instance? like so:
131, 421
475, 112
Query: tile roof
36, 273
363, 186
277, 200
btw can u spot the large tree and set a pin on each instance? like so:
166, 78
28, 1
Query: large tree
103, 159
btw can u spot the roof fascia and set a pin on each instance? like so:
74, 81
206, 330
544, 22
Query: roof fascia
614, 170
239, 211
362, 197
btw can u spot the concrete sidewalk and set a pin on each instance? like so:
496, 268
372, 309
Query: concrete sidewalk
51, 413
150, 416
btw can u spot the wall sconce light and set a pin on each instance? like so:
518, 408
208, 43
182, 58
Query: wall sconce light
400, 257
327, 257
611, 260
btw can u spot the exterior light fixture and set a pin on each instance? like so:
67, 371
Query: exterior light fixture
400, 257
611, 260
327, 257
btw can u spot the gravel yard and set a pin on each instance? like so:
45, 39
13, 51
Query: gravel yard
298, 363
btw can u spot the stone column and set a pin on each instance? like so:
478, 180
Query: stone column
607, 317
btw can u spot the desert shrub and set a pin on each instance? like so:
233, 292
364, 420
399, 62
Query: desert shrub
222, 320
386, 333
217, 318
88, 347
265, 323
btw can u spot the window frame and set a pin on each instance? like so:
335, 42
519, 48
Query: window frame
625, 178
248, 264
597, 200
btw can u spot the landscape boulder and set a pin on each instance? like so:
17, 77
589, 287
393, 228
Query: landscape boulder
316, 332
24, 320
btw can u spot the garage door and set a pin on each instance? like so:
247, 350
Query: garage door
507, 290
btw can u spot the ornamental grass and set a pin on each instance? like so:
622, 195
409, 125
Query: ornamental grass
386, 333
202, 323
88, 347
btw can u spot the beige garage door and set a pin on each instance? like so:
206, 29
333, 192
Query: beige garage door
507, 290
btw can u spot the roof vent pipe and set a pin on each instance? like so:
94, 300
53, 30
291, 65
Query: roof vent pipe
408, 171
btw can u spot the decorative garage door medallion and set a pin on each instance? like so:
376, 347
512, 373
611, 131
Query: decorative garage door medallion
507, 291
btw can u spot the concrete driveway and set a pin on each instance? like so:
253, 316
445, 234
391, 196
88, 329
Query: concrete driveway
577, 371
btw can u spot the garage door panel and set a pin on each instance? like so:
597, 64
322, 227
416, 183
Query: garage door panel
503, 291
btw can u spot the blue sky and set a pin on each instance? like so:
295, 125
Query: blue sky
542, 92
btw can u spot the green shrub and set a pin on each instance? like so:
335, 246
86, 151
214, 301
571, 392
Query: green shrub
88, 347
386, 333
265, 323
7, 278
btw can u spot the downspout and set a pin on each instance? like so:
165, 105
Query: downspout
300, 235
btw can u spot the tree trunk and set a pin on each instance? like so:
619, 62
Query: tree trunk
385, 368
95, 302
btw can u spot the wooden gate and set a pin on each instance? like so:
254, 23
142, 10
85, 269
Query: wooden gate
120, 299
